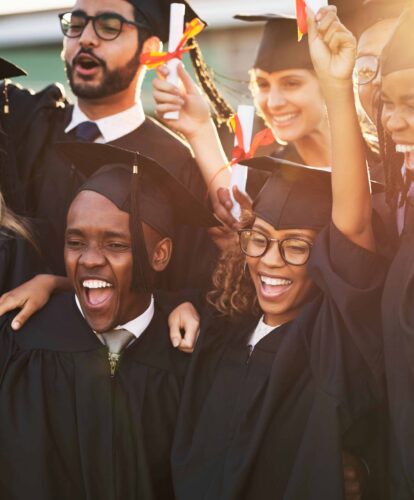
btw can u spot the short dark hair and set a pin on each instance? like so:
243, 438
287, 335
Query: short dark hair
143, 33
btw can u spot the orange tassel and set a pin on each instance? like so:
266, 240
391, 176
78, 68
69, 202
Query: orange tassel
301, 18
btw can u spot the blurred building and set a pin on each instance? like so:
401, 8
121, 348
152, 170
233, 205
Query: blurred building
30, 36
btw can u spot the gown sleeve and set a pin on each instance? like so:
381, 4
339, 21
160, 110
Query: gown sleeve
345, 344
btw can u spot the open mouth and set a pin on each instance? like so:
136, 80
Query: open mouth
274, 287
97, 293
86, 64
408, 152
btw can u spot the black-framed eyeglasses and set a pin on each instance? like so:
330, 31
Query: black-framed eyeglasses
107, 25
366, 69
294, 251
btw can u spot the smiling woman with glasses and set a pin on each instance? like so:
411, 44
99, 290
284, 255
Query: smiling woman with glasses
108, 25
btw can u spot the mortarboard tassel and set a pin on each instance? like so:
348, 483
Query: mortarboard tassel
6, 105
142, 275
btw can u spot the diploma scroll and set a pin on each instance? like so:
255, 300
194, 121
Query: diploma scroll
315, 5
177, 14
239, 172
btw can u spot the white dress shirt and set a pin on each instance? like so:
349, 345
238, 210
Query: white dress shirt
260, 332
111, 127
136, 326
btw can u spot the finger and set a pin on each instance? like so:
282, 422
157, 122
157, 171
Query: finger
163, 71
223, 195
161, 109
224, 216
9, 301
312, 29
165, 97
243, 199
339, 42
326, 22
165, 86
20, 319
175, 333
189, 84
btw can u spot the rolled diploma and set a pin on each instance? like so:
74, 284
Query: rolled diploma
239, 172
177, 14
315, 5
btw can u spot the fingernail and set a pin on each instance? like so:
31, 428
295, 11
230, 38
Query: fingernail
15, 325
176, 342
318, 16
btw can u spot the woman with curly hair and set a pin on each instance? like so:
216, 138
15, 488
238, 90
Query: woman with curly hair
287, 372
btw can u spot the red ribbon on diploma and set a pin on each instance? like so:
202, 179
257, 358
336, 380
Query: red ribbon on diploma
263, 138
153, 60
301, 18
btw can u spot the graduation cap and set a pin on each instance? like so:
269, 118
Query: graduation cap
279, 48
360, 15
155, 15
295, 196
398, 54
10, 70
143, 188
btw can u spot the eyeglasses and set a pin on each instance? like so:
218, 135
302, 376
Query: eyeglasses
294, 251
107, 25
366, 69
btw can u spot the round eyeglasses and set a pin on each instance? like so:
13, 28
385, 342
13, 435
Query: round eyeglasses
107, 25
294, 251
366, 69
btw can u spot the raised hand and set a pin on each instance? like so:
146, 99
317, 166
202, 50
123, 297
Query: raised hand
332, 46
188, 100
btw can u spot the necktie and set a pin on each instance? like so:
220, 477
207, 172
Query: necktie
116, 341
87, 132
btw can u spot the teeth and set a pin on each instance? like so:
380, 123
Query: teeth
404, 148
284, 118
96, 284
274, 281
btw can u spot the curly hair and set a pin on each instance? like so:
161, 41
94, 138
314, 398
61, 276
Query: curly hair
234, 293
392, 162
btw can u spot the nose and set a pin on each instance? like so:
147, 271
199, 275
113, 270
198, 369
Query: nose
395, 121
92, 256
88, 37
273, 258
276, 98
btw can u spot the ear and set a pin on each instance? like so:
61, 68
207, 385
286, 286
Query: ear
161, 255
151, 44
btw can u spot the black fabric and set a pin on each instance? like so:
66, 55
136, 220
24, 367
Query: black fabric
398, 321
155, 15
398, 54
10, 70
50, 182
279, 47
68, 430
19, 261
273, 424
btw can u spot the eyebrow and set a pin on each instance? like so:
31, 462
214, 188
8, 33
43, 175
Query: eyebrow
107, 234
289, 235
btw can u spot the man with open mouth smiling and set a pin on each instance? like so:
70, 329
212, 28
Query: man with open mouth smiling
90, 388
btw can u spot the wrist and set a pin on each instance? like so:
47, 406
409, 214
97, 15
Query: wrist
335, 86
203, 129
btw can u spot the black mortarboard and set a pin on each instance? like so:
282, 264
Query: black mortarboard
155, 15
10, 70
398, 54
359, 15
152, 195
295, 196
279, 48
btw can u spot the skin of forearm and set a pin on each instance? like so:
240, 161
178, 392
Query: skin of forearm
352, 210
210, 157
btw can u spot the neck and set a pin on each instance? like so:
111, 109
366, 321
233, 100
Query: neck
315, 148
279, 319
140, 305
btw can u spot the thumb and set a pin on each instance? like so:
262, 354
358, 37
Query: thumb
189, 84
312, 28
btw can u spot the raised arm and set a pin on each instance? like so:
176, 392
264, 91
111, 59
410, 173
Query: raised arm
196, 124
333, 50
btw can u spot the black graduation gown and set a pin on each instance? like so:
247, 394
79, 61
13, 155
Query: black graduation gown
398, 321
70, 431
273, 424
50, 182
19, 261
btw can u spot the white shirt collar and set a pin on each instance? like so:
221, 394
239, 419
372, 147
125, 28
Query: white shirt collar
111, 127
138, 325
261, 331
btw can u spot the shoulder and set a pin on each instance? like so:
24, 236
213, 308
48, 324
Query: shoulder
166, 136
59, 326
